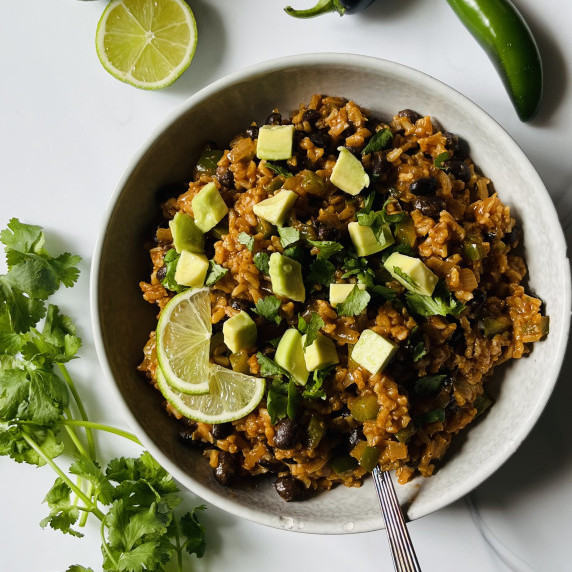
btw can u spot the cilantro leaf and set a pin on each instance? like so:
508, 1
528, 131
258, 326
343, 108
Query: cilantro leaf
405, 277
296, 252
380, 140
170, 261
23, 237
13, 444
440, 304
314, 388
419, 351
311, 328
194, 532
359, 268
367, 204
87, 469
293, 400
215, 273
384, 292
321, 272
268, 367
326, 248
268, 308
394, 217
428, 385
63, 513
78, 568
431, 416
277, 400
262, 262
288, 235
18, 312
278, 169
355, 303
247, 240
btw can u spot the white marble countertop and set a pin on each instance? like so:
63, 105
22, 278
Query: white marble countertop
67, 131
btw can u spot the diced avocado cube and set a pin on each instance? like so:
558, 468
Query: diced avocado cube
186, 234
373, 351
209, 207
239, 332
339, 292
286, 277
191, 269
275, 209
365, 241
412, 273
290, 356
348, 173
275, 142
320, 353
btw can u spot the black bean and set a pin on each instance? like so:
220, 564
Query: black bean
490, 236
321, 138
379, 164
239, 304
424, 186
413, 116
429, 206
477, 302
252, 132
355, 151
511, 238
457, 339
273, 119
225, 470
225, 177
287, 434
271, 465
353, 438
326, 232
458, 169
185, 436
289, 488
221, 430
311, 116
452, 141
161, 273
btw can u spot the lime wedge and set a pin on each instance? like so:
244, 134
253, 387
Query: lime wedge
232, 395
183, 341
146, 43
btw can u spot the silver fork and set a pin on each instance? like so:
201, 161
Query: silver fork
402, 551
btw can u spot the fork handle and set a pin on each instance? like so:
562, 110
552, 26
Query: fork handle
402, 551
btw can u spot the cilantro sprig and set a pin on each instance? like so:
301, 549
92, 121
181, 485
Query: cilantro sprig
134, 498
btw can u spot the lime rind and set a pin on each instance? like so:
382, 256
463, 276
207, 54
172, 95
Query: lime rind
183, 350
135, 52
233, 395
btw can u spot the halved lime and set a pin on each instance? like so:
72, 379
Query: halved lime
183, 341
232, 395
146, 43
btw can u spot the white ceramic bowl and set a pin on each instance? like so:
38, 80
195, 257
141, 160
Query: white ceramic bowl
122, 320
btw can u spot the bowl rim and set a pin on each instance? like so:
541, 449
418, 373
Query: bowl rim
325, 59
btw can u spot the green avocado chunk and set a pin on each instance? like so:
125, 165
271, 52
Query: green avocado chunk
373, 351
365, 240
191, 269
348, 173
275, 142
209, 207
239, 332
290, 356
275, 209
186, 234
286, 277
320, 353
412, 273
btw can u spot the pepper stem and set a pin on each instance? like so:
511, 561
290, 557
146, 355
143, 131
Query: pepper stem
322, 7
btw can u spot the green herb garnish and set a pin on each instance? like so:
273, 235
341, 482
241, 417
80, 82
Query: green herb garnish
215, 273
442, 303
247, 240
170, 261
278, 169
133, 498
314, 388
405, 277
262, 262
431, 416
310, 328
419, 351
429, 385
380, 140
268, 308
326, 248
354, 304
321, 272
358, 267
288, 235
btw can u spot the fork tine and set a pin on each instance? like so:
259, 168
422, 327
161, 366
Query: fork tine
402, 551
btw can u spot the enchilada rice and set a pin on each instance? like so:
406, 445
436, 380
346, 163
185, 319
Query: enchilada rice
385, 369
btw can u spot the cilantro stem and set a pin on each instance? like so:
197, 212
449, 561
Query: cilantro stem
73, 436
102, 427
179, 548
86, 500
82, 411
104, 544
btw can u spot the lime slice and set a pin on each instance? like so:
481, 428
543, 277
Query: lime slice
183, 341
232, 396
146, 43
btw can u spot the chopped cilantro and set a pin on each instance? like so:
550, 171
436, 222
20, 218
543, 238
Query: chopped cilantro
431, 416
293, 399
429, 385
288, 235
310, 328
367, 203
419, 351
170, 261
326, 248
262, 262
359, 268
321, 272
215, 273
395, 217
268, 367
405, 277
268, 308
440, 159
384, 292
380, 140
278, 169
247, 240
442, 303
482, 403
277, 400
314, 389
354, 304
